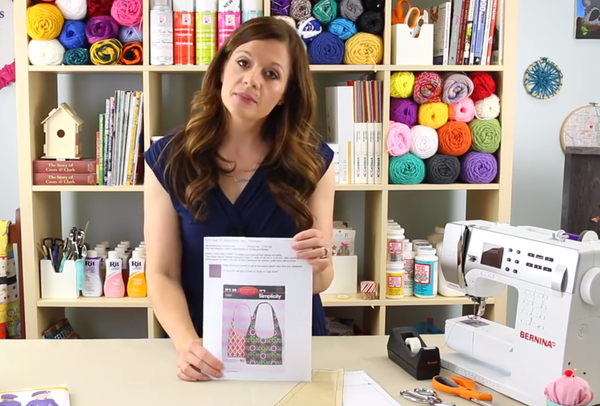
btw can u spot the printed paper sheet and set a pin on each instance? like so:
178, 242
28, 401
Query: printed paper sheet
258, 308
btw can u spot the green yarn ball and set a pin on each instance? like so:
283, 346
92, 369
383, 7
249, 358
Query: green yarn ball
407, 169
325, 11
486, 135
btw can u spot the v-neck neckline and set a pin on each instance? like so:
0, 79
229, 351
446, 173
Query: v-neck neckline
245, 191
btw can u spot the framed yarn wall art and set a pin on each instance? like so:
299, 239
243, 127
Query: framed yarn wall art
7, 54
587, 19
543, 79
581, 128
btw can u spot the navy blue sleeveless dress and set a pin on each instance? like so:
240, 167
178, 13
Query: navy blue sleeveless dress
254, 214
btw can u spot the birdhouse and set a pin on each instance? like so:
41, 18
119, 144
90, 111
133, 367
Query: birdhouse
62, 129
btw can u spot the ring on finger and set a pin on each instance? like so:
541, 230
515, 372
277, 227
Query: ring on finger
325, 252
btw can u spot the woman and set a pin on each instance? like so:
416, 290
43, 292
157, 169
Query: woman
247, 163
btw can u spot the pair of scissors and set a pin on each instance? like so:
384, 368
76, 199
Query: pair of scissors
409, 17
52, 247
424, 396
463, 387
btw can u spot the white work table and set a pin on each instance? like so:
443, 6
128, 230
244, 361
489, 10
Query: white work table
143, 372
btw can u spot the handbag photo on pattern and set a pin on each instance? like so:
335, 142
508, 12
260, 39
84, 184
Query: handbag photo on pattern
236, 340
264, 351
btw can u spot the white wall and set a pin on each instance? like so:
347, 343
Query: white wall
537, 187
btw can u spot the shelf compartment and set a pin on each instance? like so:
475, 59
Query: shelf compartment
452, 186
102, 302
88, 188
331, 300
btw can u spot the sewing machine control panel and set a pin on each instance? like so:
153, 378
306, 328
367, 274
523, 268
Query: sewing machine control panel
533, 308
530, 259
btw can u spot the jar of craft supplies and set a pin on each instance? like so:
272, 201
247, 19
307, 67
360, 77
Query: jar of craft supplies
437, 236
426, 273
395, 242
409, 269
394, 280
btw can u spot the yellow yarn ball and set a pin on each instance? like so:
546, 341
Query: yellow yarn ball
434, 114
44, 21
106, 52
363, 49
402, 85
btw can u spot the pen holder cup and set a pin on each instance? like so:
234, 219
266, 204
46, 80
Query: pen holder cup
407, 50
57, 283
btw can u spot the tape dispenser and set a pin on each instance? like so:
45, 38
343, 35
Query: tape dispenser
407, 349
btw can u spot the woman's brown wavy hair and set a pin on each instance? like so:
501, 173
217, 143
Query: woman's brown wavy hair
294, 165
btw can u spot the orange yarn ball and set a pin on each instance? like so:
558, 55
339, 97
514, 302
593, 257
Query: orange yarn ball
454, 138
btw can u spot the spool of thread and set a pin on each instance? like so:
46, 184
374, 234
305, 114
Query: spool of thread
478, 167
424, 141
457, 87
132, 54
371, 22
406, 169
434, 114
442, 169
99, 7
77, 56
309, 29
488, 108
45, 52
129, 34
486, 135
325, 11
281, 8
73, 34
72, 9
404, 111
351, 9
100, 28
106, 52
44, 21
363, 49
483, 85
127, 12
342, 28
463, 111
300, 10
374, 5
454, 138
326, 49
402, 84
399, 139
428, 88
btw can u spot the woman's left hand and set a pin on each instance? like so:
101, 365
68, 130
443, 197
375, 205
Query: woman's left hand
313, 247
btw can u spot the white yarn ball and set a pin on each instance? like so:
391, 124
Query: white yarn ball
488, 108
46, 52
72, 9
424, 141
309, 29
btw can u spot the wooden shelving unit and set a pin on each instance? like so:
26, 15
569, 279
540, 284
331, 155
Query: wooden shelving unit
41, 205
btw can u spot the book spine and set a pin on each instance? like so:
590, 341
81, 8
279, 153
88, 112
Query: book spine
47, 166
56, 179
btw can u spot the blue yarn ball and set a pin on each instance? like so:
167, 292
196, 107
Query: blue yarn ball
309, 29
342, 28
129, 34
326, 49
72, 34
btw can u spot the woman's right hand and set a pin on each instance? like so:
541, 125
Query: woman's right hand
196, 363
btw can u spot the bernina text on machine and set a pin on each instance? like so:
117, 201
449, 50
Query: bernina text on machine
557, 323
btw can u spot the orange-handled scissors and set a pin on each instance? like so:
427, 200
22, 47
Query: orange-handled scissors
400, 16
457, 385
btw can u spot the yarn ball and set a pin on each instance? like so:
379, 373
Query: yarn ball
457, 87
351, 9
132, 54
325, 11
442, 169
569, 390
127, 12
300, 10
455, 138
428, 87
106, 52
371, 22
72, 9
309, 29
399, 139
326, 49
73, 34
425, 141
486, 135
130, 34
99, 7
289, 20
342, 28
478, 167
374, 5
488, 108
404, 111
44, 21
483, 85
402, 84
406, 169
45, 52
433, 114
463, 111
363, 49
100, 28
77, 56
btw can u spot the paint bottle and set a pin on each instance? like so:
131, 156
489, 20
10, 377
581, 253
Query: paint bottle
124, 263
229, 18
161, 32
92, 272
409, 269
395, 242
426, 273
103, 255
421, 243
252, 9
106, 244
206, 31
136, 286
184, 32
394, 280
113, 285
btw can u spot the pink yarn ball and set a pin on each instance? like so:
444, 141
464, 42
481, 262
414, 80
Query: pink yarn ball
399, 139
463, 111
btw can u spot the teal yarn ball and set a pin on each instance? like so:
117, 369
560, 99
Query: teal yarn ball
407, 169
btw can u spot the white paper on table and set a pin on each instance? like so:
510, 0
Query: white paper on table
244, 277
360, 389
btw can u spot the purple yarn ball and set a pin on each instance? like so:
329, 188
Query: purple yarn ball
101, 27
478, 167
404, 111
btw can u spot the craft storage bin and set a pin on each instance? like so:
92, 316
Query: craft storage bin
407, 49
345, 275
60, 283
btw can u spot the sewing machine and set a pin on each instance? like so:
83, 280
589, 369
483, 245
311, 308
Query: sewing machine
557, 324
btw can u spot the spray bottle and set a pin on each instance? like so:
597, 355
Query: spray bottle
206, 31
161, 32
184, 32
230, 18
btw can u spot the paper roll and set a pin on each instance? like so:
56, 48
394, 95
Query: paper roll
414, 344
